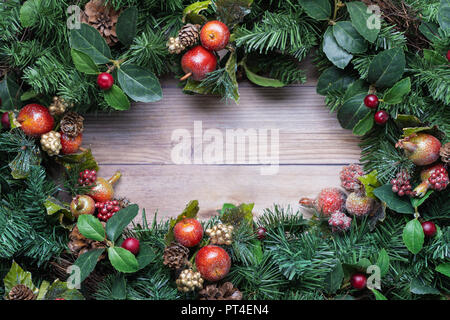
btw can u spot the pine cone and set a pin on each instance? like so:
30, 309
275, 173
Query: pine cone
59, 106
123, 203
79, 244
103, 18
51, 143
189, 34
224, 292
174, 45
445, 153
175, 256
72, 124
21, 292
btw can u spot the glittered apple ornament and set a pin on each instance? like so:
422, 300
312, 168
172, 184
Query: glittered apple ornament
188, 232
82, 204
197, 63
35, 120
103, 189
434, 177
327, 202
214, 35
358, 204
213, 263
70, 145
421, 148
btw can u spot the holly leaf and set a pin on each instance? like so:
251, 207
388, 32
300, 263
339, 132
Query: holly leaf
392, 200
383, 262
352, 111
190, 211
59, 289
363, 20
317, 9
120, 220
119, 287
192, 12
89, 41
430, 30
123, 260
364, 125
334, 52
359, 86
348, 38
444, 268
262, 81
418, 287
17, 275
413, 236
116, 98
333, 279
397, 93
9, 93
334, 79
387, 67
139, 84
86, 263
433, 57
90, 227
146, 256
126, 26
370, 182
83, 62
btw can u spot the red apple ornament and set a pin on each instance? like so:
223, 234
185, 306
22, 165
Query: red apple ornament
213, 263
214, 35
70, 145
188, 232
197, 63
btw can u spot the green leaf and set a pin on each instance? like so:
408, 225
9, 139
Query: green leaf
262, 81
333, 279
30, 94
225, 207
333, 79
409, 131
359, 86
139, 84
83, 160
59, 289
89, 41
433, 57
406, 120
29, 13
317, 9
348, 38
352, 111
392, 200
418, 287
378, 295
444, 15
17, 275
190, 211
123, 260
364, 125
444, 268
127, 25
119, 287
416, 202
383, 262
60, 211
370, 182
87, 262
90, 227
396, 94
9, 93
231, 68
235, 216
413, 236
232, 12
192, 12
116, 98
429, 30
361, 19
387, 67
83, 62
334, 52
146, 256
120, 220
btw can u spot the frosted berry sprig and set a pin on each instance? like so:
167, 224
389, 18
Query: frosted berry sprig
350, 177
87, 177
402, 185
339, 221
105, 210
439, 179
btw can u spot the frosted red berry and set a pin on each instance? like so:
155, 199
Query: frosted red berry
381, 117
261, 233
132, 245
402, 184
105, 210
339, 221
358, 281
105, 81
5, 121
371, 101
439, 179
87, 177
429, 228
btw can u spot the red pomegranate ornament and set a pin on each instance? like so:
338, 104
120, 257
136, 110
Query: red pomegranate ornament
197, 63
214, 35
434, 177
421, 148
213, 263
103, 189
35, 120
328, 201
188, 232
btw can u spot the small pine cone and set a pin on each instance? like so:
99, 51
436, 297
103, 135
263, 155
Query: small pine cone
72, 124
224, 292
59, 106
103, 18
174, 46
175, 256
21, 292
221, 234
349, 177
189, 280
79, 244
445, 153
51, 143
189, 34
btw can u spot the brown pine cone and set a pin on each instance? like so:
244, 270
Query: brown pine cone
189, 34
72, 124
445, 153
224, 292
21, 292
103, 18
79, 244
175, 256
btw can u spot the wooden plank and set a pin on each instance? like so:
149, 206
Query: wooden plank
168, 188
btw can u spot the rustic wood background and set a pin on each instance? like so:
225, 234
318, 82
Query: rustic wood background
313, 148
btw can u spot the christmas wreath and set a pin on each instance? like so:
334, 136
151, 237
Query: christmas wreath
384, 71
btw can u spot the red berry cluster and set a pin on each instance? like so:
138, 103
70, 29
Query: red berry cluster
87, 177
402, 185
439, 179
349, 177
339, 221
105, 210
